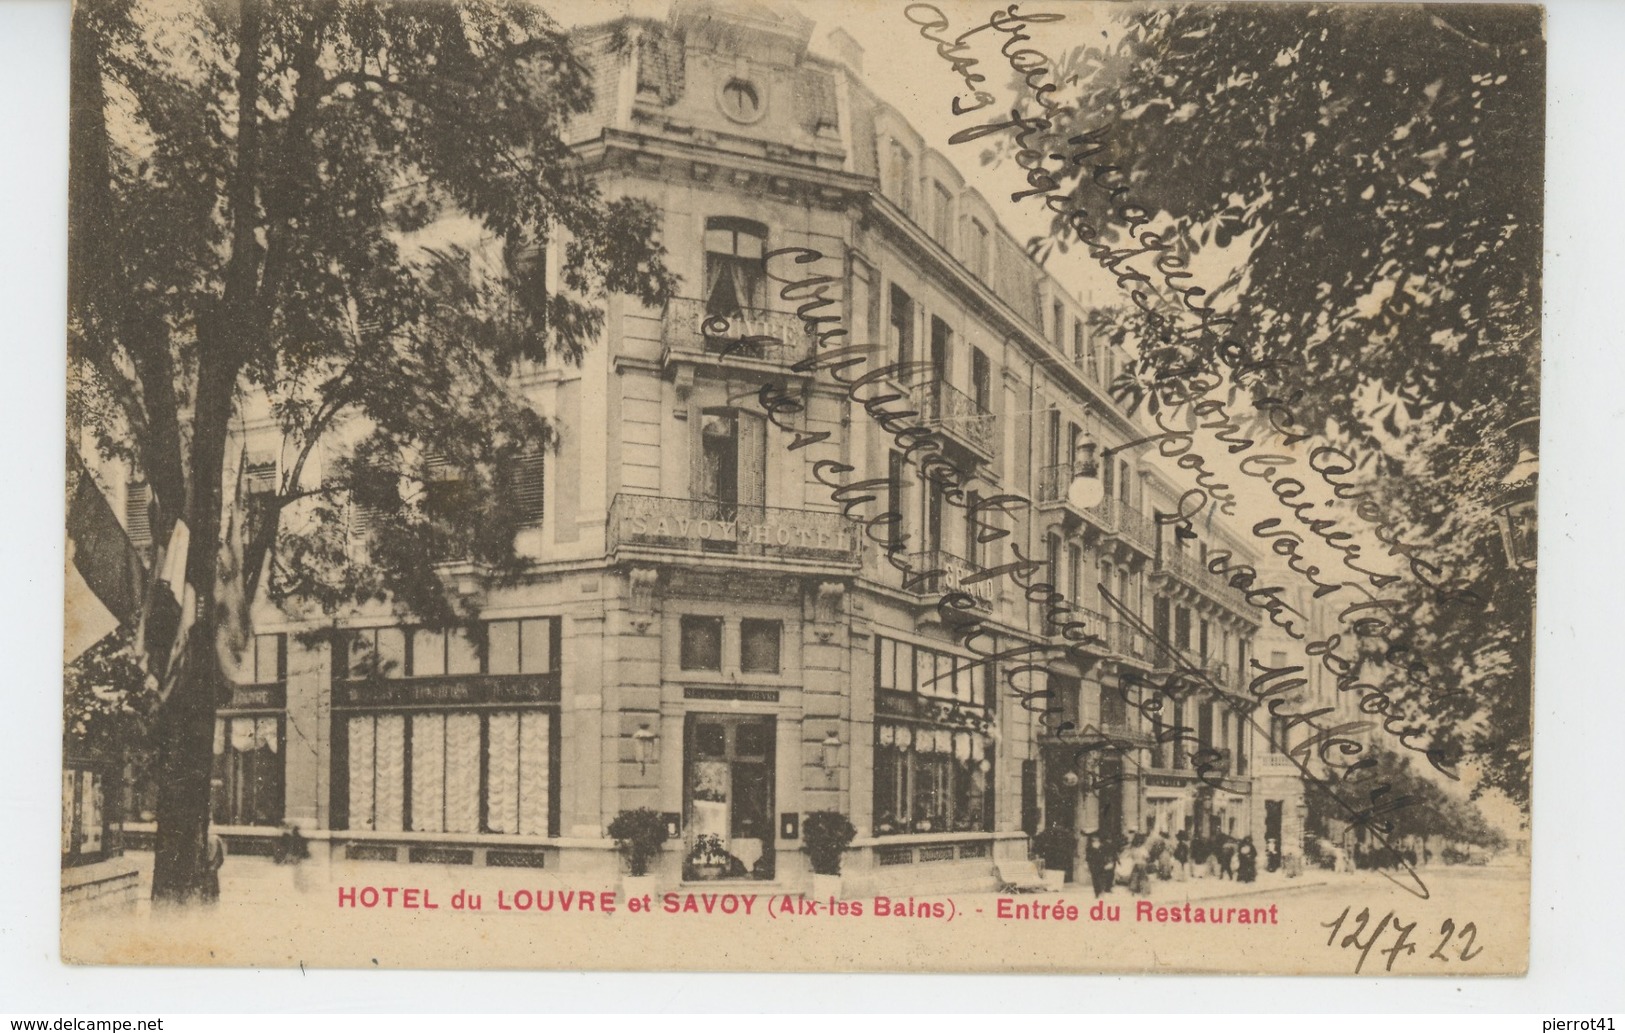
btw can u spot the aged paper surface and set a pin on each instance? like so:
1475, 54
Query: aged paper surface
840, 486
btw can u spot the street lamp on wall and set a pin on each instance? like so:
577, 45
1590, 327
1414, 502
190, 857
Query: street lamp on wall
1086, 490
830, 755
646, 747
1515, 499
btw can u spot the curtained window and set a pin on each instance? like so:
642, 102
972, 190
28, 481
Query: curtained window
733, 266
247, 778
450, 772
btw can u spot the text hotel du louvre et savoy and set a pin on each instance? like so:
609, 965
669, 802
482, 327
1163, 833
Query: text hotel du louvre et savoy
756, 485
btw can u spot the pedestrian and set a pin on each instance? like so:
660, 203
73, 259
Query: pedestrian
214, 860
1182, 854
1100, 862
1200, 856
1227, 857
1139, 865
1246, 861
1165, 856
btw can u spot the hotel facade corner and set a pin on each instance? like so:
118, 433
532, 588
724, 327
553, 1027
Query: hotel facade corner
703, 630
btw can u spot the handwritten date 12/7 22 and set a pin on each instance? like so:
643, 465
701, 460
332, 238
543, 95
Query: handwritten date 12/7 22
1454, 944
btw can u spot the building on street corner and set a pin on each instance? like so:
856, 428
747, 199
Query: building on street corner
711, 625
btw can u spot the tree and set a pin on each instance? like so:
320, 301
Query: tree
1376, 172
247, 182
1390, 802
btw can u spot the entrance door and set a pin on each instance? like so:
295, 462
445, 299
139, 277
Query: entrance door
728, 796
1272, 834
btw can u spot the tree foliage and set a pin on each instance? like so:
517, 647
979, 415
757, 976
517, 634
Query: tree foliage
1376, 172
259, 210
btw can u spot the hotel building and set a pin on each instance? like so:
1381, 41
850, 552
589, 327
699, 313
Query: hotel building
701, 630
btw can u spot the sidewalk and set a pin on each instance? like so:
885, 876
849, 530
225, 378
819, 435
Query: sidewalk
1177, 891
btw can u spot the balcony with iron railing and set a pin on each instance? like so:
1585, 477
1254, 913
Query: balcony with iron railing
1054, 481
1130, 525
1190, 571
957, 416
1088, 628
1130, 643
937, 572
751, 337
699, 527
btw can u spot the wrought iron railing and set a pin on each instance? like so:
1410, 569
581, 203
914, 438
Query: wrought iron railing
939, 572
1129, 523
956, 414
1129, 641
690, 327
698, 526
1194, 573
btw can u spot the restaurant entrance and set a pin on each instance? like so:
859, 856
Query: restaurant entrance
728, 796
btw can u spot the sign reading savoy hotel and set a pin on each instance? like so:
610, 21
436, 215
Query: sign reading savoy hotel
981, 472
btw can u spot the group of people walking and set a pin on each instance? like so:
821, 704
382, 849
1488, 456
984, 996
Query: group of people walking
1145, 857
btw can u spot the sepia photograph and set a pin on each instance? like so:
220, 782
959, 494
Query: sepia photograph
773, 486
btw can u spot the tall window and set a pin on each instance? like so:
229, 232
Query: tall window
246, 781
1053, 435
527, 487
1077, 340
733, 265
1058, 326
981, 379
1113, 707
942, 203
976, 247
732, 460
1074, 581
901, 326
973, 547
941, 349
930, 775
1091, 360
933, 514
865, 314
895, 504
900, 177
442, 769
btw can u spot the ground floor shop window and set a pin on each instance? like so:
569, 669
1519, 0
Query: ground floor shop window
931, 780
247, 781
453, 772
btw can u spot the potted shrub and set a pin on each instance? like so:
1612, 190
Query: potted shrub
639, 835
826, 835
1055, 847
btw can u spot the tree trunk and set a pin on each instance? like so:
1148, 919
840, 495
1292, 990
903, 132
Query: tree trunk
185, 758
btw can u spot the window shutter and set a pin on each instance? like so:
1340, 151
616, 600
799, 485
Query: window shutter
529, 487
138, 514
752, 460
